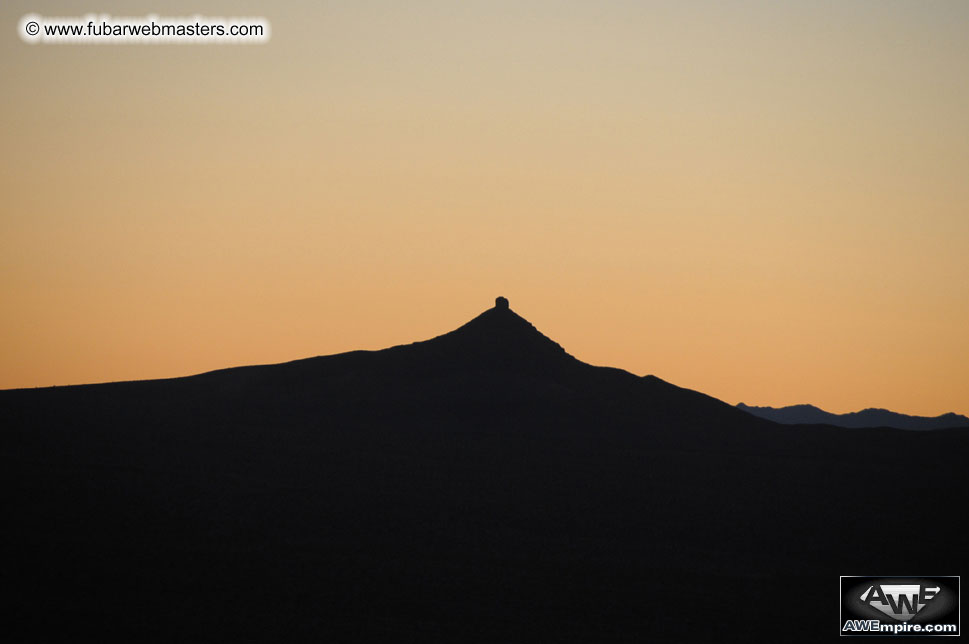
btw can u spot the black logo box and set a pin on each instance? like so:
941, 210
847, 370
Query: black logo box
942, 607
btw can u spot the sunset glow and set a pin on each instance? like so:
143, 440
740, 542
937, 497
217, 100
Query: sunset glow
766, 202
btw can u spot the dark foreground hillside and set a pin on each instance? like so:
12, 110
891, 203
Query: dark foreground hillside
483, 486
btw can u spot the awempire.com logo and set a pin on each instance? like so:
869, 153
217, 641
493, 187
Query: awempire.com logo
900, 606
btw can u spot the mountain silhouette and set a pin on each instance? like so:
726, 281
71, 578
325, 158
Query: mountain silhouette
483, 485
809, 414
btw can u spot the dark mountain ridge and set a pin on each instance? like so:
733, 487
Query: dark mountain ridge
483, 485
810, 415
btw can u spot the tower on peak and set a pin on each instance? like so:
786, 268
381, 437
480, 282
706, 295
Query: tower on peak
501, 303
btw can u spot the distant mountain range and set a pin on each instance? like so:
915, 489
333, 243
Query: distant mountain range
480, 486
811, 415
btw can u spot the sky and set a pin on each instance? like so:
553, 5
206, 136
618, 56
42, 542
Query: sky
764, 201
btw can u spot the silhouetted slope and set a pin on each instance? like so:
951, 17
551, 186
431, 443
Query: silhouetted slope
809, 414
479, 486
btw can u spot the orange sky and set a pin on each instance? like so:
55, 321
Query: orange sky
767, 202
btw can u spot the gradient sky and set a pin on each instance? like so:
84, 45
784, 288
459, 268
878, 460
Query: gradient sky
765, 201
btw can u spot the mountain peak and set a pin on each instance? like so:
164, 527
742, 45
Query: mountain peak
500, 336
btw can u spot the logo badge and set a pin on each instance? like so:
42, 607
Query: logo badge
900, 605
